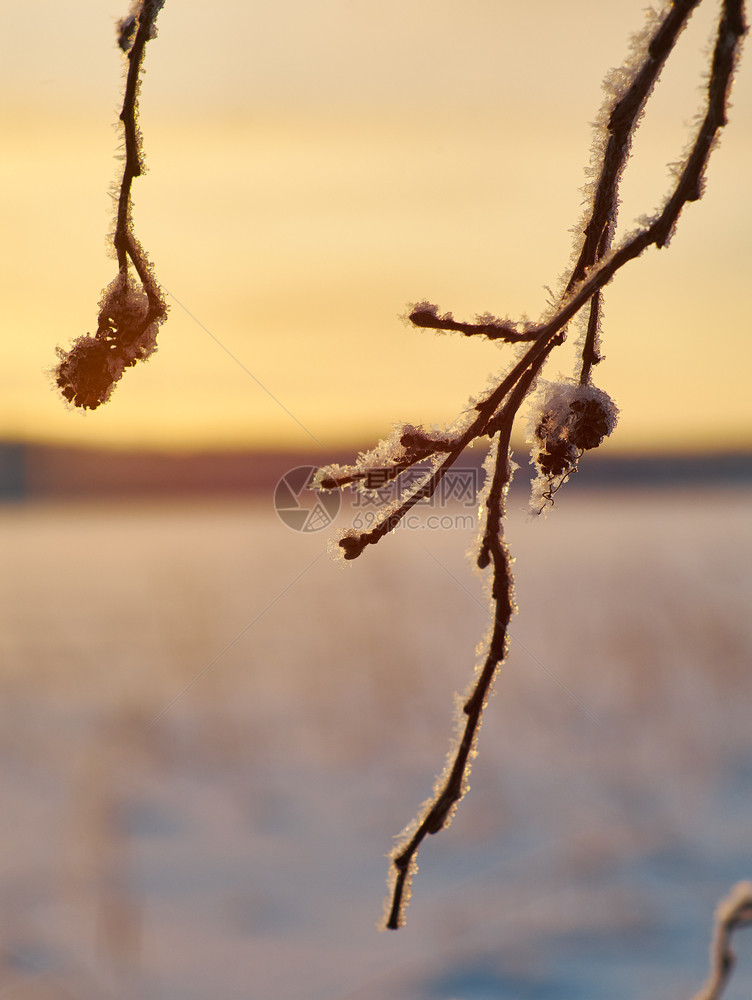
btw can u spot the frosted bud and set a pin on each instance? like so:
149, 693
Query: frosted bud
590, 423
87, 373
572, 418
352, 544
122, 310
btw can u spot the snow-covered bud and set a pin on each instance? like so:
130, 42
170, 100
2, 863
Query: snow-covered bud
123, 309
352, 544
572, 418
592, 421
88, 371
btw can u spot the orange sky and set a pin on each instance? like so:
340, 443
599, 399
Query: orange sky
313, 168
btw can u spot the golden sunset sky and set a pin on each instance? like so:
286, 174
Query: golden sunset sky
313, 167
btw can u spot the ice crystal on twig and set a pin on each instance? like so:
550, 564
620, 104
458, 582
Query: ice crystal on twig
574, 416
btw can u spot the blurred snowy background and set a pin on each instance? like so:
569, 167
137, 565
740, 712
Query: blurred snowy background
211, 734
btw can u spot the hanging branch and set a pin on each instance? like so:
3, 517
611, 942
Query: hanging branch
573, 417
132, 307
733, 913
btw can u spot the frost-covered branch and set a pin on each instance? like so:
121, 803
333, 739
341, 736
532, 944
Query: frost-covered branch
427, 315
573, 416
595, 266
452, 784
132, 307
733, 913
352, 542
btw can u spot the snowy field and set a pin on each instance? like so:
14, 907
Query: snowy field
210, 733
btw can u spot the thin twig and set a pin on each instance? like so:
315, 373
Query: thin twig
131, 309
733, 913
126, 246
451, 787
